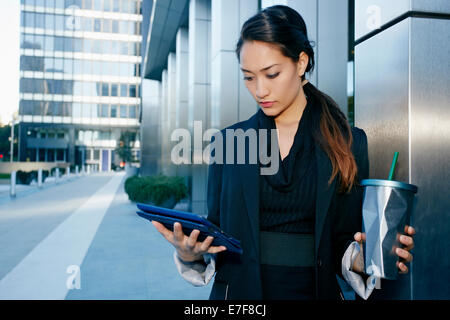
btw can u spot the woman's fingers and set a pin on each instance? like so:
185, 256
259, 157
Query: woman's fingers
403, 268
192, 240
404, 254
166, 233
408, 242
216, 249
178, 234
191, 245
204, 246
360, 237
410, 230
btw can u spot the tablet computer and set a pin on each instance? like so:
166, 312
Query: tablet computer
190, 221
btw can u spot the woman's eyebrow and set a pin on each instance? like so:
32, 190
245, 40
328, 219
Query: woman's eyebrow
263, 69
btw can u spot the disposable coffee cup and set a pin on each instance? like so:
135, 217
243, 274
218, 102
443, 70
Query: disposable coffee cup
387, 207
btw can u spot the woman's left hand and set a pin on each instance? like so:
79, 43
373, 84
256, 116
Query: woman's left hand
404, 253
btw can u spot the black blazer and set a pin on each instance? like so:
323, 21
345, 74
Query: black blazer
233, 204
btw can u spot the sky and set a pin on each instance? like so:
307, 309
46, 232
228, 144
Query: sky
9, 61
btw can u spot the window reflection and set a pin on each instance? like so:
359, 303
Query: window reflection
132, 112
78, 66
123, 111
38, 42
104, 111
113, 111
59, 63
59, 22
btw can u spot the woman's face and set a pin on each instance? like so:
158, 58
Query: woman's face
272, 77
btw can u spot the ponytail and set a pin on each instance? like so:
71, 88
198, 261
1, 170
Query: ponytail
334, 135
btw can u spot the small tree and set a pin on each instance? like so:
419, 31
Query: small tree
123, 149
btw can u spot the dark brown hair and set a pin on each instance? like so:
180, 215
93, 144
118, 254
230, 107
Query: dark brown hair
285, 27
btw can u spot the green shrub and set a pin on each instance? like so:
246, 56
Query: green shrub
155, 189
5, 175
23, 177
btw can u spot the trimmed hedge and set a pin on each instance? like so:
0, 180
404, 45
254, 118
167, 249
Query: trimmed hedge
155, 189
24, 177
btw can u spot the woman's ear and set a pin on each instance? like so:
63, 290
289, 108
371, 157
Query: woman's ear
302, 63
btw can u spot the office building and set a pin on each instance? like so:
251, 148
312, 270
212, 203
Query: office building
79, 80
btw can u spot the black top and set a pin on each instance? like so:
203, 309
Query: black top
287, 198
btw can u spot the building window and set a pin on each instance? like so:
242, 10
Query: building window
68, 66
39, 20
132, 112
123, 90
115, 26
59, 22
123, 111
59, 4
41, 155
104, 112
123, 27
87, 4
50, 155
114, 47
132, 90
49, 21
114, 90
97, 25
60, 154
125, 6
96, 154
26, 107
106, 25
113, 111
88, 154
58, 43
116, 5
105, 89
38, 108
68, 44
49, 43
98, 5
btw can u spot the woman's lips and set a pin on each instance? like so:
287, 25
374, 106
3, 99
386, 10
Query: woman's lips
267, 104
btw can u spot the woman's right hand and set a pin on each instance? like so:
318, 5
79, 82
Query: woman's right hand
188, 248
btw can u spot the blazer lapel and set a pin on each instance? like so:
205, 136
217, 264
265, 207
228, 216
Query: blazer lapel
324, 192
249, 176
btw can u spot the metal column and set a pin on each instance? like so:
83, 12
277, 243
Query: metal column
402, 102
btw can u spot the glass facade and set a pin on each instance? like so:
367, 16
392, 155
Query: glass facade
80, 65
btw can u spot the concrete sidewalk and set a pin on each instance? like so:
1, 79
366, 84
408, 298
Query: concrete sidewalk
83, 240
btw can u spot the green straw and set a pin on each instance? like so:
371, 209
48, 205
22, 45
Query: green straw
394, 162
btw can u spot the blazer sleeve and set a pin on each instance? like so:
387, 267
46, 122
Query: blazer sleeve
349, 205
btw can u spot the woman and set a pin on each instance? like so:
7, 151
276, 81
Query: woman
298, 227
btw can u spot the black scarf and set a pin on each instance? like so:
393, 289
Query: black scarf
301, 155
